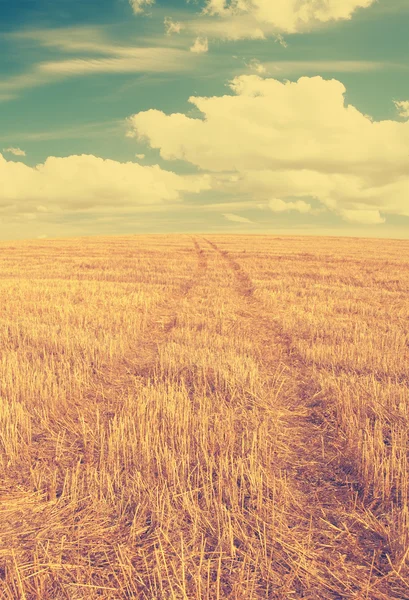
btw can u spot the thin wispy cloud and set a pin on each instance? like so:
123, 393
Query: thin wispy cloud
232, 205
15, 151
136, 60
83, 130
297, 67
98, 40
69, 39
98, 54
236, 218
277, 205
140, 60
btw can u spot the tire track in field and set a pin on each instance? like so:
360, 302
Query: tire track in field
109, 383
141, 361
318, 471
63, 448
245, 285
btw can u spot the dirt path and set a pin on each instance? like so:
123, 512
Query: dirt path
210, 521
347, 555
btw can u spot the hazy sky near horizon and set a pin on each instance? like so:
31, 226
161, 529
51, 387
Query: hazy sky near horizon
139, 116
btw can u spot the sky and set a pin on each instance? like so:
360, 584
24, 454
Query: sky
219, 116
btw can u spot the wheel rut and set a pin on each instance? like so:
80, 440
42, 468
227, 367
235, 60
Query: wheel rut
63, 449
103, 397
321, 548
346, 556
244, 285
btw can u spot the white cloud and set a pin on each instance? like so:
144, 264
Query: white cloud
278, 205
138, 6
293, 141
280, 40
142, 60
172, 26
227, 29
316, 67
255, 19
70, 39
140, 156
257, 66
87, 182
200, 46
403, 108
366, 217
84, 131
117, 59
281, 68
236, 218
15, 151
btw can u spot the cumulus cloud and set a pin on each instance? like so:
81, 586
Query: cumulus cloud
15, 151
403, 108
278, 205
172, 26
87, 182
200, 46
295, 141
138, 6
257, 66
254, 19
236, 218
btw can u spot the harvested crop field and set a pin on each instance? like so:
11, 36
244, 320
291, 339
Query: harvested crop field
204, 417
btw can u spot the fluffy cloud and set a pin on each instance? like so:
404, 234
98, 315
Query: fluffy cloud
403, 108
87, 182
294, 141
172, 26
239, 19
257, 66
138, 6
200, 46
15, 151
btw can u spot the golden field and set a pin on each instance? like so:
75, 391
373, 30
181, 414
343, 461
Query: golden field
204, 417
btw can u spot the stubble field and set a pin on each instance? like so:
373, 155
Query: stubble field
204, 417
